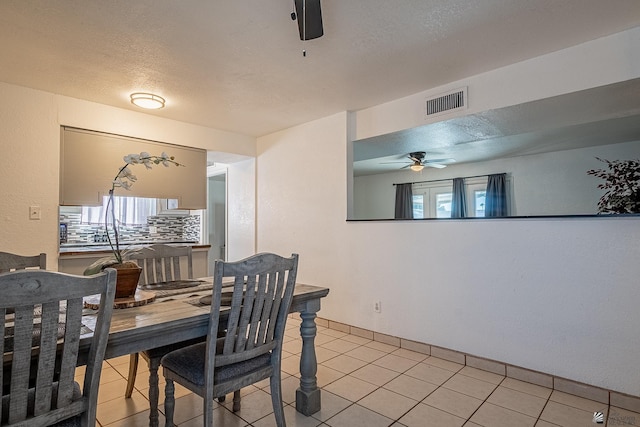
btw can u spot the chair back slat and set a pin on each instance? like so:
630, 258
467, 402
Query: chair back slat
73, 327
41, 339
22, 333
161, 263
262, 292
12, 262
46, 357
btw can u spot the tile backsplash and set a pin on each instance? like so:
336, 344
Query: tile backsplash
161, 228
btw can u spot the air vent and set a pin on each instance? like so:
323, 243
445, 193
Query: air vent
452, 101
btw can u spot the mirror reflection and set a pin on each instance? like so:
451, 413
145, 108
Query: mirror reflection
530, 159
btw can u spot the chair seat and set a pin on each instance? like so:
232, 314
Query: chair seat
189, 362
159, 352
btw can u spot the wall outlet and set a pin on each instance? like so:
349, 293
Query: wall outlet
377, 307
34, 212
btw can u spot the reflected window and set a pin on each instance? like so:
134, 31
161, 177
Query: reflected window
418, 206
434, 200
443, 205
478, 203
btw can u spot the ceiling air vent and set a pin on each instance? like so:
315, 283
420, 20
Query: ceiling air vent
452, 101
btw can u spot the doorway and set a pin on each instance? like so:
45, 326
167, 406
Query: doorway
217, 208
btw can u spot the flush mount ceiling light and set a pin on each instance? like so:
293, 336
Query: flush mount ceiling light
147, 100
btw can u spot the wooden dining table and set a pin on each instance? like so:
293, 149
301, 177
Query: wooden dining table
174, 317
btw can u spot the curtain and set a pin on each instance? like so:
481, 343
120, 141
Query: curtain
404, 201
496, 202
458, 199
128, 210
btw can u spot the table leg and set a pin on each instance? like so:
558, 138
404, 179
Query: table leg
154, 392
308, 395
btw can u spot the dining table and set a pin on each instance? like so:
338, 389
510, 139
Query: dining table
177, 315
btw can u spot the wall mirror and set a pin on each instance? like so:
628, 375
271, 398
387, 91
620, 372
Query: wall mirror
544, 148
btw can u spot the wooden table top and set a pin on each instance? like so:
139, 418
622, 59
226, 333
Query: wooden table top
173, 319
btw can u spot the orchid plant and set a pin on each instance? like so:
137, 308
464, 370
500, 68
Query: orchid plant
125, 179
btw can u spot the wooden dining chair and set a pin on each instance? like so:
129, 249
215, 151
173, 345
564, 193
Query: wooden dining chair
12, 262
162, 263
159, 263
251, 349
43, 335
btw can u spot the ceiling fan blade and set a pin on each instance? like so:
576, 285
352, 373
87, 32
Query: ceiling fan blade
389, 163
440, 161
434, 165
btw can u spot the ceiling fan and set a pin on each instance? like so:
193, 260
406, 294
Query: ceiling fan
418, 162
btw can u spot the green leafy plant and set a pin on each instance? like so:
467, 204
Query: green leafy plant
124, 179
622, 185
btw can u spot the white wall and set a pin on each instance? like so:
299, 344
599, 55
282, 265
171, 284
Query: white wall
30, 123
597, 63
554, 295
241, 210
542, 184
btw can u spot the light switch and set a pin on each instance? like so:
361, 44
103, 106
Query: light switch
34, 212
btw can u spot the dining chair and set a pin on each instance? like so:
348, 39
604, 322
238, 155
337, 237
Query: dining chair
45, 334
251, 348
162, 263
159, 263
12, 262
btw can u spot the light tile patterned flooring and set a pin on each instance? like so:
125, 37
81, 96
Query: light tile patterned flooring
367, 383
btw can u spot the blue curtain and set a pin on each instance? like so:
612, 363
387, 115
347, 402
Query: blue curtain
496, 202
458, 199
404, 201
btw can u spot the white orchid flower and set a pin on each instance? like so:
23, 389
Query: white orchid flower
126, 173
125, 179
132, 159
164, 157
146, 159
122, 183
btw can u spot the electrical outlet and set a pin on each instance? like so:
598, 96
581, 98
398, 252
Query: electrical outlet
34, 212
377, 307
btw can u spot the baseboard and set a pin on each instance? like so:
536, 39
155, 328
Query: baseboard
576, 388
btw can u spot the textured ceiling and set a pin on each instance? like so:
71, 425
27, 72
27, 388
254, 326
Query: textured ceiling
238, 65
604, 115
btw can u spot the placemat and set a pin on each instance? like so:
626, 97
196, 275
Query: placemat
203, 286
206, 300
171, 285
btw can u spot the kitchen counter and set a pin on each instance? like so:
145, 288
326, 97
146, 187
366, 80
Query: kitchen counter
75, 259
67, 249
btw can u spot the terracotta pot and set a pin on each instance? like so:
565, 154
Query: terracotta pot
127, 281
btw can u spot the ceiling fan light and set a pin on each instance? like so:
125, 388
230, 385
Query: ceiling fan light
147, 100
416, 168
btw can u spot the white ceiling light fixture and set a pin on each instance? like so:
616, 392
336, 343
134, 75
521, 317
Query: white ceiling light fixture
417, 167
147, 100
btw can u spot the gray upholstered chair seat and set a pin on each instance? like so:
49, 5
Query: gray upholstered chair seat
158, 352
189, 362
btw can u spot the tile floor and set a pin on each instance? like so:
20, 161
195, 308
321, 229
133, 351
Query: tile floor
367, 383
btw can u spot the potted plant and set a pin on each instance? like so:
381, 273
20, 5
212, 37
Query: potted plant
622, 185
128, 271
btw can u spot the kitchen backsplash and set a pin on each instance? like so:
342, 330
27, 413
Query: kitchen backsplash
164, 228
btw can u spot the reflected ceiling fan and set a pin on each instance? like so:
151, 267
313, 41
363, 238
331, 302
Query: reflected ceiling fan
418, 162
